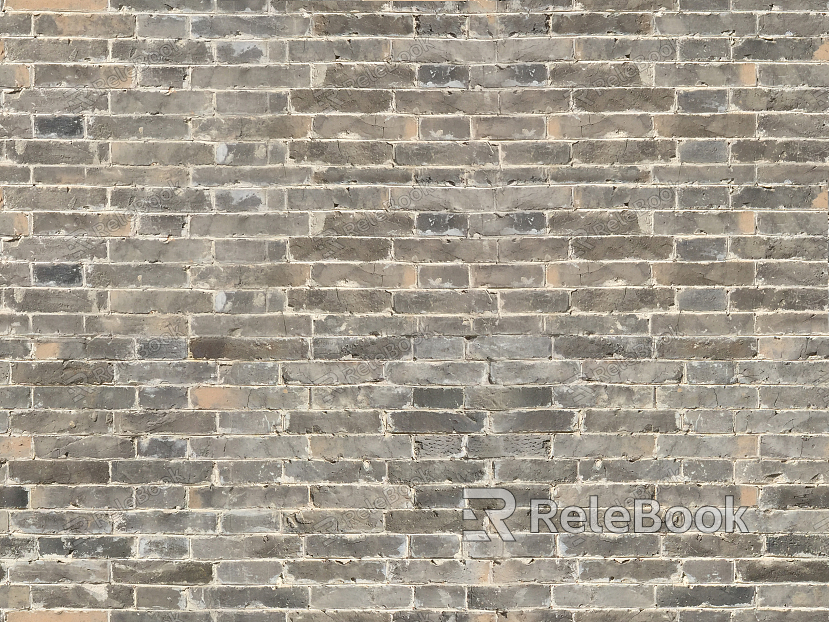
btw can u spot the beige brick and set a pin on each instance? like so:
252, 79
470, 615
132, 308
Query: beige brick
15, 447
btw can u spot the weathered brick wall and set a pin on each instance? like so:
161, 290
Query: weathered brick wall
280, 279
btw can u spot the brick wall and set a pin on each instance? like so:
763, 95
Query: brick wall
279, 280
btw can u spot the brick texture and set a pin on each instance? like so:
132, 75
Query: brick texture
278, 280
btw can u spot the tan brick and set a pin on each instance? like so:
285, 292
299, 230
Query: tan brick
219, 397
14, 224
15, 447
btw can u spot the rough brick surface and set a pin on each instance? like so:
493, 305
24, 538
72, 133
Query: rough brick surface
279, 279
